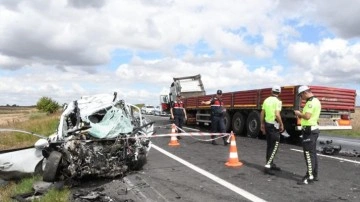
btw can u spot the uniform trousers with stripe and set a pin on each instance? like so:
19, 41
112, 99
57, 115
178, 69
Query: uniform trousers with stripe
272, 140
309, 146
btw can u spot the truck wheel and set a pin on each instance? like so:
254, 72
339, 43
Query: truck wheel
294, 138
227, 120
238, 123
52, 167
253, 124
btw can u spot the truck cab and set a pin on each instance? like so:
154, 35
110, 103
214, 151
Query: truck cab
189, 86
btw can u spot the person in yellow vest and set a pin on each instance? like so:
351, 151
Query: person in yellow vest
271, 126
310, 132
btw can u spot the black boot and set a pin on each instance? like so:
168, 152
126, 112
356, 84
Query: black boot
268, 171
274, 167
305, 181
213, 140
225, 141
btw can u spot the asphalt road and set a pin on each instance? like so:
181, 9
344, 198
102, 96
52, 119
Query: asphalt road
196, 171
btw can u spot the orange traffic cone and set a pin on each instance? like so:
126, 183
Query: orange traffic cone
233, 160
173, 141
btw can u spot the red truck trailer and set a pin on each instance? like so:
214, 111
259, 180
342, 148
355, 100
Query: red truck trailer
243, 107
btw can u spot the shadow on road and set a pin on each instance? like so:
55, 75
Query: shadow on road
280, 174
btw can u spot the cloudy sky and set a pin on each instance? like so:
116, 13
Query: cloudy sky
64, 49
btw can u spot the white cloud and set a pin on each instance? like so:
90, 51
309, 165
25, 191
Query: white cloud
11, 63
64, 48
302, 53
332, 61
57, 33
340, 17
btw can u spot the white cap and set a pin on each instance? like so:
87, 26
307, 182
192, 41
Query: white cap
276, 89
302, 89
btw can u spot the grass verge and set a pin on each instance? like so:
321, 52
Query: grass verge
25, 186
39, 123
342, 133
43, 125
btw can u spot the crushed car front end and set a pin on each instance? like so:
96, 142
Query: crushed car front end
97, 136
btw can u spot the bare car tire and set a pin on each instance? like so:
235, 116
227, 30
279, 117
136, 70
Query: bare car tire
52, 167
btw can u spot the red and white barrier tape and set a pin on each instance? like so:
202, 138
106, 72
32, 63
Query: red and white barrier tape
190, 134
193, 135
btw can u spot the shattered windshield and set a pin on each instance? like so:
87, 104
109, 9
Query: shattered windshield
106, 117
113, 123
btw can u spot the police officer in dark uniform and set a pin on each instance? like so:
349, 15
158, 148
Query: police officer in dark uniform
217, 116
310, 132
178, 113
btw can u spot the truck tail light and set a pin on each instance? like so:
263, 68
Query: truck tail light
343, 122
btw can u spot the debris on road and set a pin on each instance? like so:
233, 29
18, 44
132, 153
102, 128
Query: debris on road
350, 153
328, 148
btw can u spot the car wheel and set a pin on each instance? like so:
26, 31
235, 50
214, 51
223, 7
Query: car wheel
51, 169
138, 165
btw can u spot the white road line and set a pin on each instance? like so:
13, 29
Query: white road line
222, 182
332, 157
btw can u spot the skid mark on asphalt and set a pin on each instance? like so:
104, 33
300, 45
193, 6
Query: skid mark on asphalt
140, 192
332, 157
222, 182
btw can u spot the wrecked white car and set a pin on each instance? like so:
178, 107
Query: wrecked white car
97, 136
